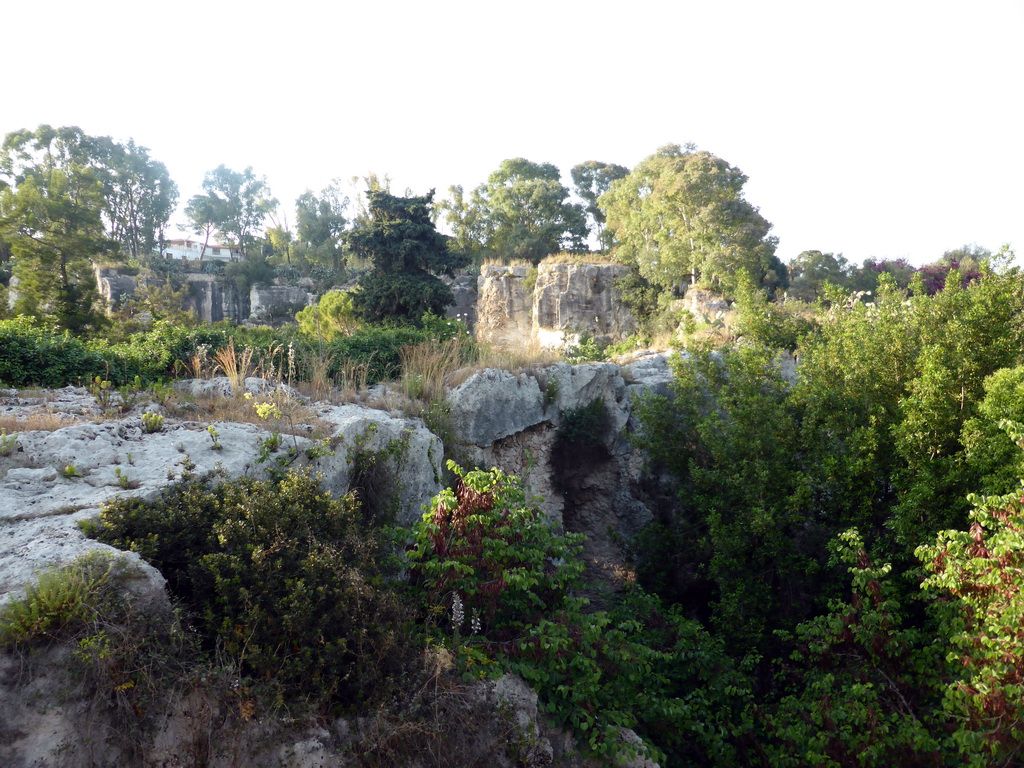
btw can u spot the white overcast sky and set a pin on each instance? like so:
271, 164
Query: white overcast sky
872, 128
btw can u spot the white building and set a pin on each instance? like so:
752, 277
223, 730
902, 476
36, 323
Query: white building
191, 249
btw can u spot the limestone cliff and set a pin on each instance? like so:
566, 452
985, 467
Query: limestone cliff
566, 300
503, 305
570, 299
212, 297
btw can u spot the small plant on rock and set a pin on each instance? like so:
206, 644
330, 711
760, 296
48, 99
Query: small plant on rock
100, 389
152, 422
123, 479
8, 443
62, 601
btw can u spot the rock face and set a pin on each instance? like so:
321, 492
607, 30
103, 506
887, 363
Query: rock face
464, 288
503, 305
570, 299
414, 455
597, 485
567, 300
113, 286
213, 299
270, 302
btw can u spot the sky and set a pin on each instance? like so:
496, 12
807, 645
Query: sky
875, 129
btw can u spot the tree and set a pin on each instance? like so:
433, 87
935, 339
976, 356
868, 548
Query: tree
139, 195
467, 220
240, 202
591, 180
407, 253
204, 216
681, 218
51, 213
809, 272
320, 223
333, 316
521, 213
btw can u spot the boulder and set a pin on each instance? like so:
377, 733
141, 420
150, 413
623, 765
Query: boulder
494, 404
416, 454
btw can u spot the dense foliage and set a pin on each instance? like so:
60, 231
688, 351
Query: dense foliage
898, 411
407, 254
282, 577
504, 579
680, 217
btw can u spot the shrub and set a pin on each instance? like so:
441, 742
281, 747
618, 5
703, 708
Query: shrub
281, 576
485, 543
491, 567
33, 353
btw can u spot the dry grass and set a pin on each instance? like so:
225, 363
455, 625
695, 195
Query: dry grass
425, 366
295, 418
493, 261
237, 366
523, 357
530, 354
41, 421
589, 257
320, 382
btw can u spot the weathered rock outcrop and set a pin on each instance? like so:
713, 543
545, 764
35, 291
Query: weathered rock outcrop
503, 305
50, 480
212, 297
271, 302
567, 300
512, 421
570, 299
465, 290
113, 286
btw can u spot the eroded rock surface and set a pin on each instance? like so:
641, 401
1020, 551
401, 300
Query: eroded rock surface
52, 479
574, 299
598, 485
503, 305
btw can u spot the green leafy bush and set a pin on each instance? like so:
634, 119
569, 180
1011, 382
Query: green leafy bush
503, 578
484, 542
285, 579
33, 353
379, 347
982, 569
861, 685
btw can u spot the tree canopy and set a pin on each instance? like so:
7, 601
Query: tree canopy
591, 180
235, 204
680, 217
320, 225
407, 253
51, 212
522, 212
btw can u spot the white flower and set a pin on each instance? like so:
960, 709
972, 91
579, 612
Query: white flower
458, 612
